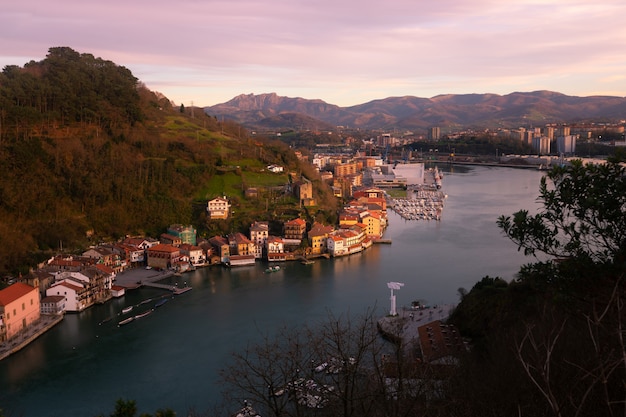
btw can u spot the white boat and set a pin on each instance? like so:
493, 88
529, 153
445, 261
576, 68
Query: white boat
274, 268
127, 309
144, 314
126, 321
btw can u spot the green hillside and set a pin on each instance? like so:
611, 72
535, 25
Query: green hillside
88, 153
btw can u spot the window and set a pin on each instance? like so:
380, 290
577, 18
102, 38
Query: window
23, 306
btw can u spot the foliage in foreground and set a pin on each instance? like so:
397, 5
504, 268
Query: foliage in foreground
552, 341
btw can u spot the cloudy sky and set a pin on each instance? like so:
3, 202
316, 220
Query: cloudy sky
344, 52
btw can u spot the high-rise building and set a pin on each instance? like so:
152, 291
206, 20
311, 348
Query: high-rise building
541, 145
434, 133
566, 145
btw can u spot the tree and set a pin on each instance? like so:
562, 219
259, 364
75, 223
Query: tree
330, 369
572, 349
582, 216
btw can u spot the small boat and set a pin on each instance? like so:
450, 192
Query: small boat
307, 262
108, 319
161, 302
127, 309
144, 314
274, 268
126, 321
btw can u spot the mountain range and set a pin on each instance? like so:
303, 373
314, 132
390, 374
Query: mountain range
451, 111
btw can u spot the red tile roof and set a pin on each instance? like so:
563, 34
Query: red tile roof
14, 292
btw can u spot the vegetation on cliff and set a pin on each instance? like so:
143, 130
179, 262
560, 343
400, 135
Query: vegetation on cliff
88, 153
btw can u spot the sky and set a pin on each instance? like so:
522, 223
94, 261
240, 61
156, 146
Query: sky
344, 52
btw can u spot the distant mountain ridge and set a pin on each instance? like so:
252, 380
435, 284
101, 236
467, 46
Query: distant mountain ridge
414, 113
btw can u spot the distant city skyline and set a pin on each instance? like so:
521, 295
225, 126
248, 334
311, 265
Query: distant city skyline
342, 52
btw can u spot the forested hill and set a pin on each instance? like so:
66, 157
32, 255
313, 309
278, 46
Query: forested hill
87, 152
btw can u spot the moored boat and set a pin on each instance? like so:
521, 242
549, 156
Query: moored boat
144, 314
274, 268
161, 302
127, 309
126, 321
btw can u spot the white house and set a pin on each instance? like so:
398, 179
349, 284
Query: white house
73, 293
275, 249
218, 208
336, 245
275, 168
196, 254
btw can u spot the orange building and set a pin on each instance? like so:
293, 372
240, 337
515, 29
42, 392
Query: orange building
19, 308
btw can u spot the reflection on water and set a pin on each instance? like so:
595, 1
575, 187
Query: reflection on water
171, 358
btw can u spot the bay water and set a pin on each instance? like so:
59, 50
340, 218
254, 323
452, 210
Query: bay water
171, 358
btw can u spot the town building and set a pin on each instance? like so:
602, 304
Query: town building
317, 238
240, 244
259, 231
218, 208
187, 234
19, 308
163, 256
295, 229
440, 343
195, 254
83, 289
53, 304
169, 239
275, 249
221, 248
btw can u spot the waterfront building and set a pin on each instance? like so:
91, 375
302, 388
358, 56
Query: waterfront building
220, 247
374, 224
259, 231
295, 229
74, 293
317, 238
218, 208
275, 249
163, 256
19, 308
82, 289
195, 254
336, 245
240, 245
53, 304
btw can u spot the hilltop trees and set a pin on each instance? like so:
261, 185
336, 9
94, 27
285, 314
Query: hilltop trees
87, 153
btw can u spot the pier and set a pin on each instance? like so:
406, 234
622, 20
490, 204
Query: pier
138, 277
403, 327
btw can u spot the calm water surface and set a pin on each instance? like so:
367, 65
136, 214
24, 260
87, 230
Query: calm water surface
172, 357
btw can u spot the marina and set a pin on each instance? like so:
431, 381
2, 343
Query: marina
420, 204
